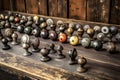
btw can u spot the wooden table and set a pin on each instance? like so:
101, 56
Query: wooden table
101, 65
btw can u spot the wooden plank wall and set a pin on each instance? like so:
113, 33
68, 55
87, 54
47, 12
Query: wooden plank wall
20, 5
77, 9
115, 12
98, 10
42, 4
107, 11
6, 6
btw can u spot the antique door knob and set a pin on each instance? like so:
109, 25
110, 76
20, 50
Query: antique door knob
52, 50
74, 40
25, 41
100, 36
19, 15
90, 32
22, 21
6, 17
37, 22
105, 30
97, 30
77, 26
2, 16
45, 52
36, 18
44, 33
72, 25
52, 27
111, 47
85, 42
42, 20
82, 61
14, 26
24, 17
2, 24
49, 21
11, 18
73, 55
113, 30
30, 18
117, 37
62, 37
70, 31
62, 28
60, 23
7, 24
17, 19
26, 46
8, 33
43, 25
5, 44
80, 32
10, 13
36, 32
53, 34
14, 38
20, 28
97, 45
86, 27
59, 52
35, 45
29, 23
28, 30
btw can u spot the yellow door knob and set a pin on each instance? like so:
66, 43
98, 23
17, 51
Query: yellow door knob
74, 40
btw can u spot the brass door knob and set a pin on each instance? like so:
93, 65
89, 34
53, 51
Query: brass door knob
25, 41
105, 30
82, 62
45, 52
14, 38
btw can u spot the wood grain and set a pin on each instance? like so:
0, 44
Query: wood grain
37, 70
7, 75
62, 8
1, 5
43, 7
58, 69
13, 5
20, 5
98, 10
53, 7
32, 6
77, 9
115, 12
58, 8
6, 5
101, 65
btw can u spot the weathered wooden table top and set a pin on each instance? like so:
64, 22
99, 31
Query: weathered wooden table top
101, 65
